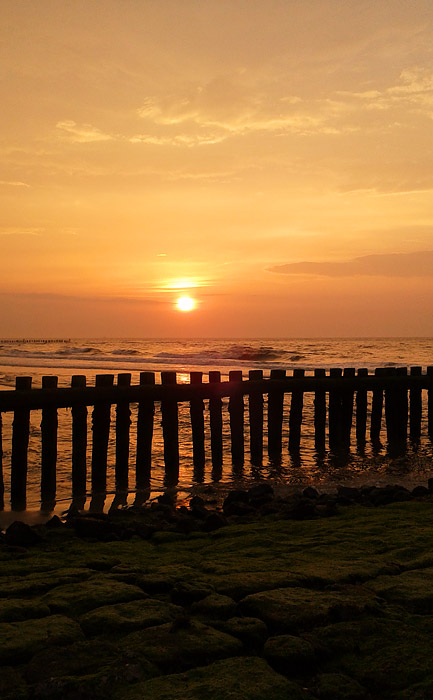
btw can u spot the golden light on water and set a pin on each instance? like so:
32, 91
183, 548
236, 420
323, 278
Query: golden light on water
185, 303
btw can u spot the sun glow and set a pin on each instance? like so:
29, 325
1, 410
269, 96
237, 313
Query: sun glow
185, 303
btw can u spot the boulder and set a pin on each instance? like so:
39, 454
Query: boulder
181, 645
238, 679
19, 641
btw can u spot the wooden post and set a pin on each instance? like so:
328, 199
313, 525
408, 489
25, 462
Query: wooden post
335, 413
146, 410
255, 410
430, 403
101, 433
376, 410
275, 416
216, 427
396, 413
415, 396
361, 411
49, 426
123, 423
196, 408
347, 409
2, 485
390, 408
403, 412
20, 444
170, 433
236, 411
295, 419
320, 415
79, 441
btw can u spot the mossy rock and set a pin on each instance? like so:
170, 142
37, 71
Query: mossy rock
384, 655
12, 684
181, 645
296, 609
76, 599
337, 686
411, 589
82, 658
41, 581
289, 655
238, 585
244, 678
214, 605
19, 641
123, 618
250, 630
18, 609
188, 592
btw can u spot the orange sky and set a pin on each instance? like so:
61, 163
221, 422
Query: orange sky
273, 160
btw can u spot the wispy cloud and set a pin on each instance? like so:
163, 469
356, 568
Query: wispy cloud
18, 231
84, 133
13, 183
419, 264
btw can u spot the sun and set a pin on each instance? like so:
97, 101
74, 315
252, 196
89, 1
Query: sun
185, 303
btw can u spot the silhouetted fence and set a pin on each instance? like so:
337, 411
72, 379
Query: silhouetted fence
339, 397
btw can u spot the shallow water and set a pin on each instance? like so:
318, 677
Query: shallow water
91, 357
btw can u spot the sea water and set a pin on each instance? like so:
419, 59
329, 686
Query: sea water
97, 356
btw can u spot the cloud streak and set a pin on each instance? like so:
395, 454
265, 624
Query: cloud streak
419, 264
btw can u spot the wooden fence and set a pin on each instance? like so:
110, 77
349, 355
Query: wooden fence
339, 397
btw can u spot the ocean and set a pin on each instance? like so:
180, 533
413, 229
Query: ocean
97, 356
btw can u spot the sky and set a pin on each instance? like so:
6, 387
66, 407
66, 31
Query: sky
271, 160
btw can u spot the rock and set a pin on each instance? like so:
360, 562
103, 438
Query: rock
215, 605
17, 609
250, 630
289, 655
96, 529
40, 582
420, 491
76, 599
187, 592
238, 508
123, 618
12, 684
237, 679
81, 659
19, 641
54, 523
411, 589
337, 686
214, 521
302, 509
166, 499
239, 585
20, 534
349, 492
178, 646
288, 610
237, 496
311, 493
260, 490
196, 501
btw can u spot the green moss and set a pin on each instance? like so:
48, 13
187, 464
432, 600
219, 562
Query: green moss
16, 610
181, 645
74, 599
19, 641
237, 679
297, 609
127, 617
